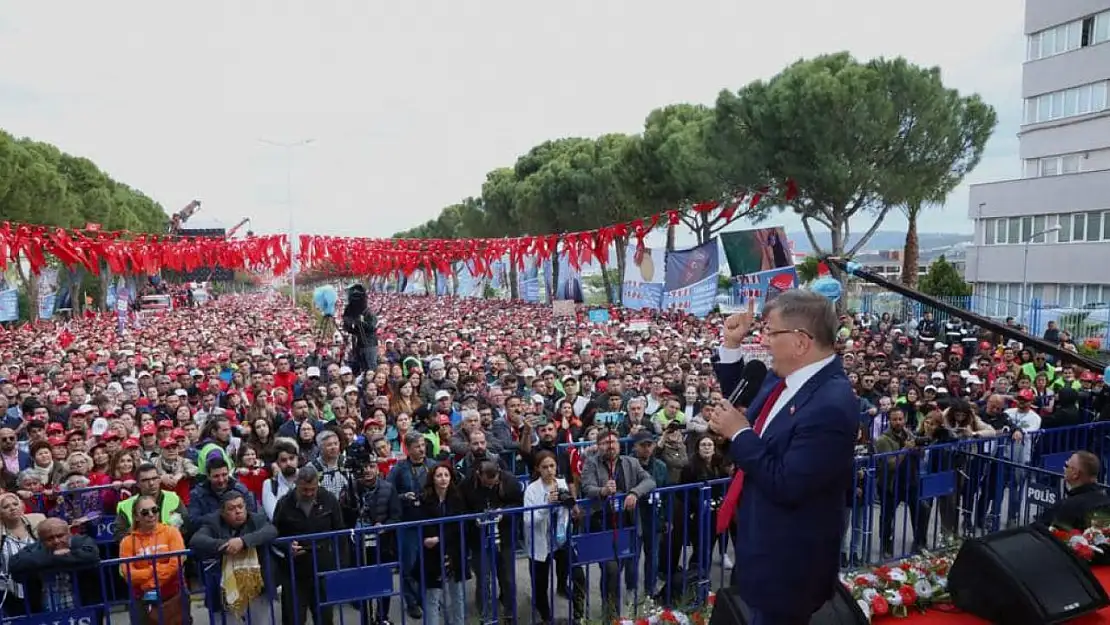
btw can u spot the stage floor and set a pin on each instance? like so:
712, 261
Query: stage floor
940, 617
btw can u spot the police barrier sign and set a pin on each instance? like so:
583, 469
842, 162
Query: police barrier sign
84, 616
1041, 495
106, 529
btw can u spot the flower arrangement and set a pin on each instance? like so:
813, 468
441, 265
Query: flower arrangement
1085, 543
654, 615
915, 583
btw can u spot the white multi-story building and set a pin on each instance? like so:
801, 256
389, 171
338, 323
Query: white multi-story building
1051, 228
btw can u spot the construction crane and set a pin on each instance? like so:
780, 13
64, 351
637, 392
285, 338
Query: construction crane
235, 228
180, 217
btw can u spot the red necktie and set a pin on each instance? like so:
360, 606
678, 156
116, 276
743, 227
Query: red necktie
732, 497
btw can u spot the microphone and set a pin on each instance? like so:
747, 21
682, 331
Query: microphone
750, 381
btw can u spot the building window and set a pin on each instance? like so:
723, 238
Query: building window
1067, 103
1088, 31
988, 232
1038, 226
1094, 226
1064, 234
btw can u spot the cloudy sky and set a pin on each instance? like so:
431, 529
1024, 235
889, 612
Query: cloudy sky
409, 104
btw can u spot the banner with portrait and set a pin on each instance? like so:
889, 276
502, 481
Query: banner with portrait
753, 251
763, 286
642, 288
690, 283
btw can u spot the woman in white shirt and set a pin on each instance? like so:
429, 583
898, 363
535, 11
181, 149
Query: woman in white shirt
546, 529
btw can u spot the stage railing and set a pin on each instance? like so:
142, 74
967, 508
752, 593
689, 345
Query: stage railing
500, 564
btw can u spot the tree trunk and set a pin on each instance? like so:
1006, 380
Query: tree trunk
621, 245
837, 240
31, 288
514, 291
554, 275
705, 231
910, 254
607, 282
670, 238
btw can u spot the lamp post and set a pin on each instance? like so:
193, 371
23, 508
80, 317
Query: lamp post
289, 147
1025, 263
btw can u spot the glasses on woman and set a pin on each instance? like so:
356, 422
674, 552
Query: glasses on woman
152, 511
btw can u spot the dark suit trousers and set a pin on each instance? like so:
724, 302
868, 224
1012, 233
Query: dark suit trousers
760, 617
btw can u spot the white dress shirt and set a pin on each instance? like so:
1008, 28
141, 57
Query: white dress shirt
794, 381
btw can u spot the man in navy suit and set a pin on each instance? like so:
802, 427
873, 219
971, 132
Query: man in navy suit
795, 449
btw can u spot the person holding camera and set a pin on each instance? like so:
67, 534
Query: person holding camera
408, 477
378, 504
489, 489
897, 479
546, 533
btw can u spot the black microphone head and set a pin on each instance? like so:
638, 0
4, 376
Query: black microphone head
750, 382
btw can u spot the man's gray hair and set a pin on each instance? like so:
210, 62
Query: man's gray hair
413, 438
307, 475
639, 400
805, 310
325, 436
471, 413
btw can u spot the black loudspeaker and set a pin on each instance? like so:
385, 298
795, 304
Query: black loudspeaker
842, 609
1023, 576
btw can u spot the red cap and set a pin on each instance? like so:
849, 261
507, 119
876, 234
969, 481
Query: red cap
55, 427
167, 442
165, 424
180, 433
110, 435
149, 430
1025, 394
443, 420
56, 441
131, 443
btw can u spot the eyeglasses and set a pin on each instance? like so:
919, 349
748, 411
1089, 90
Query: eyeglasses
7, 439
148, 511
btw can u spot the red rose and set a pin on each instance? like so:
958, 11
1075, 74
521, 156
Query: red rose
905, 566
879, 606
908, 594
861, 580
883, 573
668, 617
1085, 552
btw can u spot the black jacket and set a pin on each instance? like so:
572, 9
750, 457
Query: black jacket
448, 558
325, 516
257, 532
378, 503
1074, 510
35, 564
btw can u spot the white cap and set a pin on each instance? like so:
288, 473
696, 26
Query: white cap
529, 373
443, 394
181, 392
99, 426
313, 372
345, 370
350, 389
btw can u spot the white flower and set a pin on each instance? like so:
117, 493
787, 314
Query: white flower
893, 598
924, 589
869, 594
942, 583
897, 575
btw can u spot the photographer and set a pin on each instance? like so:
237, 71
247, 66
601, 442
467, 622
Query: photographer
409, 477
362, 326
897, 479
492, 488
378, 504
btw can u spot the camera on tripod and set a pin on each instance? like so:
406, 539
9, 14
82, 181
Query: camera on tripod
362, 326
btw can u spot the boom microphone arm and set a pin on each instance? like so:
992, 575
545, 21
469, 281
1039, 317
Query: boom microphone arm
983, 322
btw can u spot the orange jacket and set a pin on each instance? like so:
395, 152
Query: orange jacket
153, 573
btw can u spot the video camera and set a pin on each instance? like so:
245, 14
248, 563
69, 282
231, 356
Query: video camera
362, 326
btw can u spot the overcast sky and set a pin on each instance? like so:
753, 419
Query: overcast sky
409, 104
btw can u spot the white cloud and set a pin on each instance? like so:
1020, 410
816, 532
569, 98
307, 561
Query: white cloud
410, 104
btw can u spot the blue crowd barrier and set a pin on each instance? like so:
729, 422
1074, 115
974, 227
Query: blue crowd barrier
920, 498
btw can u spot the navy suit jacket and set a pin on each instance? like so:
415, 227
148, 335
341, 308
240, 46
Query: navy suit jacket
790, 519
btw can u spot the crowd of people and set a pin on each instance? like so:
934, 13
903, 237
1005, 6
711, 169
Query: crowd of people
232, 428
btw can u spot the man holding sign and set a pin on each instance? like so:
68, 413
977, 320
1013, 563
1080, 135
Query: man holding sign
793, 448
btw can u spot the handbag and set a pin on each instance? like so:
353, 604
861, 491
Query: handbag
241, 580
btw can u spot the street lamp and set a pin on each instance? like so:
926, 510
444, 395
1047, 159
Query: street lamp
1025, 264
289, 147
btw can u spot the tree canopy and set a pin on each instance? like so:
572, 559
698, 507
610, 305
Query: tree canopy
942, 280
40, 184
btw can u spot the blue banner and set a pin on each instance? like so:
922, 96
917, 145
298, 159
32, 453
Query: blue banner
570, 281
79, 616
599, 315
764, 286
9, 305
443, 284
469, 284
643, 281
528, 282
691, 279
